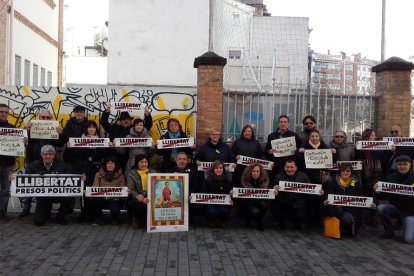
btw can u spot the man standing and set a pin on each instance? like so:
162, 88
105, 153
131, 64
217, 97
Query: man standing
400, 207
309, 124
6, 167
281, 132
396, 131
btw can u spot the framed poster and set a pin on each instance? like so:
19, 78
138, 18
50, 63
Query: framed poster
168, 202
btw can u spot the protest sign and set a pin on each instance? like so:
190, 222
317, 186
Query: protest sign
88, 142
106, 192
13, 132
374, 145
132, 142
134, 109
318, 159
246, 161
284, 146
210, 199
394, 188
351, 201
12, 145
168, 202
56, 185
297, 187
44, 129
400, 141
356, 165
254, 193
175, 143
205, 166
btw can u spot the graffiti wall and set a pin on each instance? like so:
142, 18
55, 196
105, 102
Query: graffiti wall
163, 103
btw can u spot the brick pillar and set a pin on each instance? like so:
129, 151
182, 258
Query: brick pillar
209, 94
393, 83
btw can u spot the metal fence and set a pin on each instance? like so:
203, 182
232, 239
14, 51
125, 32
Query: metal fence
349, 112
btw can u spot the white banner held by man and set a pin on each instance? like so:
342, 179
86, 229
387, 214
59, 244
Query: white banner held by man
246, 161
210, 199
88, 142
134, 109
132, 142
106, 192
374, 145
205, 166
57, 185
318, 159
44, 129
394, 188
284, 146
297, 187
175, 143
400, 141
13, 132
254, 193
351, 201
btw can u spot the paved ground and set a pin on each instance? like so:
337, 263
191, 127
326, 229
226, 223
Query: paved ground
83, 249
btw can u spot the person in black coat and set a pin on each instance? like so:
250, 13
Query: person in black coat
217, 181
214, 149
290, 205
345, 183
174, 131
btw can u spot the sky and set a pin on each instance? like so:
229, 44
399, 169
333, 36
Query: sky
354, 26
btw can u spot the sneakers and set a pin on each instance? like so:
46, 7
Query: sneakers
386, 235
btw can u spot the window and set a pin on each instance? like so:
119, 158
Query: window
26, 72
35, 75
17, 70
235, 54
42, 76
49, 78
348, 67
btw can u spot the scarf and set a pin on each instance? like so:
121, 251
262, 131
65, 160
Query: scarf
144, 178
314, 146
174, 151
344, 183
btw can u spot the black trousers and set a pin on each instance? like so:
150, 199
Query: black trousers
44, 207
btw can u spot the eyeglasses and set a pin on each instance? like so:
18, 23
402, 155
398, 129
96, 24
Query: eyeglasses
394, 131
308, 123
338, 136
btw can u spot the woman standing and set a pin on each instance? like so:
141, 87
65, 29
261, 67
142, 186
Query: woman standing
217, 181
137, 181
109, 175
254, 176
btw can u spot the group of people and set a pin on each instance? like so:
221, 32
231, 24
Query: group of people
120, 167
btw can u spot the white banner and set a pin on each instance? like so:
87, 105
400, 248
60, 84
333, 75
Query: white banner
284, 146
254, 193
318, 158
246, 161
351, 201
394, 188
297, 187
35, 185
12, 132
12, 145
88, 142
356, 165
400, 141
374, 145
132, 142
44, 129
205, 166
175, 143
106, 192
122, 106
210, 199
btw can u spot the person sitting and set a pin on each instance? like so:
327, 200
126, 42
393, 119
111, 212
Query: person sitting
345, 183
400, 207
254, 176
109, 175
217, 181
137, 181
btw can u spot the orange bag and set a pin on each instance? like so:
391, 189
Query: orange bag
331, 227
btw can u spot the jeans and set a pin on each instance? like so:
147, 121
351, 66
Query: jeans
385, 211
4, 188
217, 212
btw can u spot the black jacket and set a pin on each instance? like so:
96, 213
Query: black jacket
210, 152
194, 186
58, 167
72, 128
118, 131
215, 185
296, 199
4, 159
167, 161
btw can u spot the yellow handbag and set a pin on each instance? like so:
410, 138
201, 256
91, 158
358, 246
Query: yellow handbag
331, 227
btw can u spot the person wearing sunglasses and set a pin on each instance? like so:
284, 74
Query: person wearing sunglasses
33, 151
344, 151
309, 124
396, 131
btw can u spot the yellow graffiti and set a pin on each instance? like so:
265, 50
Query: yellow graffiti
184, 103
56, 102
124, 92
160, 103
26, 90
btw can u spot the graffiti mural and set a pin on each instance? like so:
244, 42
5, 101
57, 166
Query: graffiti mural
163, 102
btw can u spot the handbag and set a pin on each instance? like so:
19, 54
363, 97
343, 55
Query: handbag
331, 227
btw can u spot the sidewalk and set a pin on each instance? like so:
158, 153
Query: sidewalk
83, 249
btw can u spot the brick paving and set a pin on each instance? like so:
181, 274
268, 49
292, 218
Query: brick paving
83, 249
